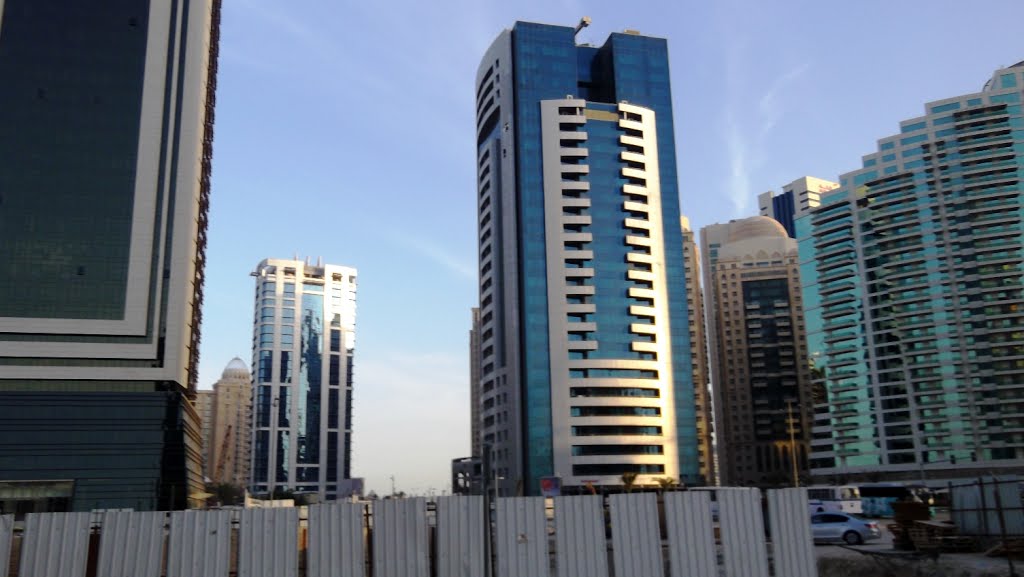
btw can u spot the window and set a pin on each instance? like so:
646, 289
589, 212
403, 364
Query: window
913, 127
945, 107
615, 430
334, 376
602, 450
332, 408
605, 411
286, 367
616, 469
265, 367
613, 392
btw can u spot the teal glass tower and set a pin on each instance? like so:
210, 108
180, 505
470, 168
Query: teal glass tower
585, 355
912, 274
105, 160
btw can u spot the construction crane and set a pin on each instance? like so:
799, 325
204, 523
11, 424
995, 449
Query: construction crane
221, 456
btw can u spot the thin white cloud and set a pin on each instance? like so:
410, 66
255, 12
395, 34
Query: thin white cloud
739, 171
768, 106
746, 141
435, 253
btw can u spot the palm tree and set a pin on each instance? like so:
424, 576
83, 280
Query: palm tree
666, 483
628, 480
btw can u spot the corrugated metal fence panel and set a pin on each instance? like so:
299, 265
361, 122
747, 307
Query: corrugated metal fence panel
636, 538
6, 537
400, 538
967, 510
792, 543
132, 544
460, 536
581, 547
1009, 500
978, 514
55, 545
522, 538
268, 542
742, 526
691, 534
336, 540
200, 544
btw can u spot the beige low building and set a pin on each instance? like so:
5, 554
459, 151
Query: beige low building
204, 407
759, 361
228, 443
699, 354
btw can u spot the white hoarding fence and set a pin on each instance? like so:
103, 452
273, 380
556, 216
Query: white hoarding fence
567, 536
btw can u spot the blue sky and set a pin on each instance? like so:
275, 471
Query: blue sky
346, 130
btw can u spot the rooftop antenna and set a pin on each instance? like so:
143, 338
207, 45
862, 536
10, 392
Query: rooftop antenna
584, 22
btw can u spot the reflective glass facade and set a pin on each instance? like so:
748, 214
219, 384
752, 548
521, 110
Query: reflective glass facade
304, 334
912, 274
65, 226
783, 209
104, 168
524, 365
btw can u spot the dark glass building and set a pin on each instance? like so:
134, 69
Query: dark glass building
585, 353
107, 111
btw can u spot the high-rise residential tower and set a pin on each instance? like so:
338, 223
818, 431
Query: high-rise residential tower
230, 440
913, 282
585, 362
759, 358
105, 152
698, 354
303, 346
797, 198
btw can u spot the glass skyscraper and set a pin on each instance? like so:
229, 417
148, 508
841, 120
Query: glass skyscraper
912, 274
303, 347
105, 152
585, 368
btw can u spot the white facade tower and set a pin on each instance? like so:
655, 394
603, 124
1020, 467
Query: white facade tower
303, 346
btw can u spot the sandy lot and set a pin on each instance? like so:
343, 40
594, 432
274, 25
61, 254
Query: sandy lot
836, 561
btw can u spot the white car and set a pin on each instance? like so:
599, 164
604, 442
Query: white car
840, 527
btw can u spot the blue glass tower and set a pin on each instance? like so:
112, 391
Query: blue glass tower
585, 365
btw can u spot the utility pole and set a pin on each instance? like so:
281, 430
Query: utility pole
792, 441
392, 486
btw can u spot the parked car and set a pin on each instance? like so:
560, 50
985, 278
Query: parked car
834, 527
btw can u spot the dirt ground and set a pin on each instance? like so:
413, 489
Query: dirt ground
836, 561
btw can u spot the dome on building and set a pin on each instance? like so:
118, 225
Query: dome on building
756, 227
236, 369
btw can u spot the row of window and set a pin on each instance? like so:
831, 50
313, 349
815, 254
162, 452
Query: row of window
613, 374
614, 411
615, 430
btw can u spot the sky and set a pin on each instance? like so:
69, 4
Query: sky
345, 130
